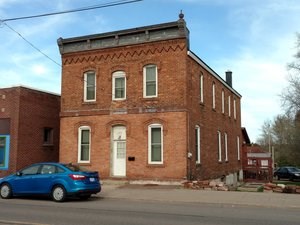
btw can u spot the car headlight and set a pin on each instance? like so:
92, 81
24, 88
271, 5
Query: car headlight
297, 174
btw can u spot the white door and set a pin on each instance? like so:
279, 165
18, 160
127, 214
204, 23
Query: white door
119, 151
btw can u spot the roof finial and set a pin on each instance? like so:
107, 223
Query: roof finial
181, 15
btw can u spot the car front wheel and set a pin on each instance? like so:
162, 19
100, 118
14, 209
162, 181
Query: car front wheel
5, 191
59, 193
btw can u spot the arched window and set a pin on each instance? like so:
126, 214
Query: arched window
84, 144
201, 87
155, 144
89, 86
119, 85
197, 144
150, 81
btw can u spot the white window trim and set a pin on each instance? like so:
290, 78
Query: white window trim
226, 146
144, 82
234, 108
201, 88
79, 144
118, 74
149, 143
214, 96
198, 144
219, 147
229, 106
85, 87
223, 101
238, 148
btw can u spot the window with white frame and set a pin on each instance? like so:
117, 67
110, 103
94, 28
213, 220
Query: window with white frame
223, 102
226, 146
119, 85
155, 144
84, 144
213, 95
150, 81
4, 151
89, 86
238, 147
219, 147
201, 87
234, 108
229, 105
197, 144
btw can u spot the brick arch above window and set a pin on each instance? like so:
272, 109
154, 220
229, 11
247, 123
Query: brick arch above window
84, 124
113, 123
119, 68
147, 123
148, 63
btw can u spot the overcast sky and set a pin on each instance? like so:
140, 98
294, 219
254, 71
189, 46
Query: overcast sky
253, 38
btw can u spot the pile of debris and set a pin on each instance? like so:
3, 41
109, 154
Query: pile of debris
281, 188
206, 185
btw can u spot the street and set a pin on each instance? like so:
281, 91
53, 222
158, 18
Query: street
107, 211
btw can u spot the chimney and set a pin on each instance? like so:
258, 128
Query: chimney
229, 77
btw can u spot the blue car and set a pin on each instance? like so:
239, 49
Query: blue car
56, 180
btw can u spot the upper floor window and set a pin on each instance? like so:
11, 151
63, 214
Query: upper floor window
150, 81
201, 87
119, 86
89, 86
229, 105
84, 144
155, 144
223, 102
213, 95
234, 108
197, 144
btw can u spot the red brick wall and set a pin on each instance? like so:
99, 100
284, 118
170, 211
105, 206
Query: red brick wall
30, 111
177, 105
174, 139
211, 121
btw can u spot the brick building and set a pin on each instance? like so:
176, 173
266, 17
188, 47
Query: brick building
257, 164
29, 128
139, 104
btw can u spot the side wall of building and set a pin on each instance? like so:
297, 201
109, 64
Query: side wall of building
212, 122
30, 112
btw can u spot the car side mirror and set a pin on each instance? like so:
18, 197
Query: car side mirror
19, 174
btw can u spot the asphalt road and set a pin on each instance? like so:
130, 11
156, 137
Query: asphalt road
122, 212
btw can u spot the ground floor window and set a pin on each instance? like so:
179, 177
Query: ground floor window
4, 151
84, 144
155, 144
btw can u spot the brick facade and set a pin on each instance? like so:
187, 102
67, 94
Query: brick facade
26, 113
177, 106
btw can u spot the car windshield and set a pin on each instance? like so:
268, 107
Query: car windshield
293, 169
76, 168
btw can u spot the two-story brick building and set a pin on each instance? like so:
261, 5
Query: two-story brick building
29, 127
139, 104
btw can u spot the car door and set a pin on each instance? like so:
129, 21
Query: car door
24, 182
45, 178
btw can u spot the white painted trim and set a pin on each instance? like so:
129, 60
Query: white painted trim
212, 72
118, 74
149, 143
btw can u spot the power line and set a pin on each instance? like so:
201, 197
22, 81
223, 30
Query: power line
109, 4
32, 45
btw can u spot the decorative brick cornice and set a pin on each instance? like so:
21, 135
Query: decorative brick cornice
112, 56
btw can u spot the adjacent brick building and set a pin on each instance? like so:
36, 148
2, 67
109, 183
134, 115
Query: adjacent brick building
139, 104
29, 128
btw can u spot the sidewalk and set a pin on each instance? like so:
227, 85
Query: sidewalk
179, 194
